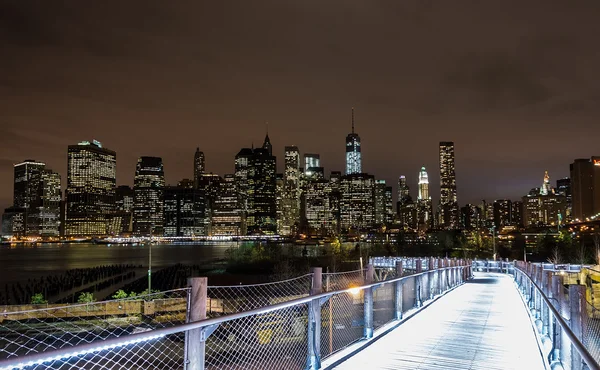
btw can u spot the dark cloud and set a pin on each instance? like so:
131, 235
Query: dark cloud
513, 83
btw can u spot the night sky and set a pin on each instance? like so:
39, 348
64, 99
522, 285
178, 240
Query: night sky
515, 84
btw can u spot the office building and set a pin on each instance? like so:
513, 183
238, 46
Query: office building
585, 188
543, 207
227, 217
13, 222
502, 213
28, 189
184, 212
425, 216
353, 152
448, 197
49, 211
148, 205
357, 206
563, 187
256, 183
291, 192
310, 161
470, 217
199, 165
517, 214
383, 203
319, 209
90, 193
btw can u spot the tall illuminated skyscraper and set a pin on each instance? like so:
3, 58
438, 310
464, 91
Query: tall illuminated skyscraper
424, 206
311, 161
403, 189
199, 166
291, 191
90, 193
449, 212
423, 185
353, 152
28, 188
148, 207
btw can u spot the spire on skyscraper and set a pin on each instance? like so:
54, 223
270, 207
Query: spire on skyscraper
352, 119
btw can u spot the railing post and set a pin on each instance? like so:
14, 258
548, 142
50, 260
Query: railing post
368, 304
195, 344
440, 276
578, 309
555, 335
546, 286
313, 361
430, 278
398, 296
418, 270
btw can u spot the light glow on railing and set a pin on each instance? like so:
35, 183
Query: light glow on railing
81, 353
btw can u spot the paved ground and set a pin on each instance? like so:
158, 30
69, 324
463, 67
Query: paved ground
480, 325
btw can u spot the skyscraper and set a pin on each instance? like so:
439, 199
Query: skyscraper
199, 166
502, 213
403, 189
148, 186
28, 191
311, 161
383, 203
256, 183
357, 206
448, 199
424, 206
262, 202
353, 152
542, 207
546, 187
585, 187
49, 212
563, 187
291, 191
90, 193
227, 217
184, 211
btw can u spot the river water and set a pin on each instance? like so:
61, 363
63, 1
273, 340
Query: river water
17, 264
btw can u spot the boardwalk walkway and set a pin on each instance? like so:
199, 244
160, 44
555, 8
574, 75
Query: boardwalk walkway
482, 324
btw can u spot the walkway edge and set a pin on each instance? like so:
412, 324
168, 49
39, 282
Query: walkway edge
345, 354
538, 337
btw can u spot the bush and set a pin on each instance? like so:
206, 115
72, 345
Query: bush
38, 298
86, 297
120, 294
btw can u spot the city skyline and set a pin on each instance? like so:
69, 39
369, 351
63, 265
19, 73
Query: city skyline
97, 73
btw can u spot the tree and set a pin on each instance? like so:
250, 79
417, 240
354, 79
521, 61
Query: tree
86, 297
120, 294
38, 298
555, 256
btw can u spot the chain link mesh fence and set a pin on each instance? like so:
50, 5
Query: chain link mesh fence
267, 338
223, 300
60, 325
591, 332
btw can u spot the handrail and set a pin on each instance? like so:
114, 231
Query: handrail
583, 352
81, 349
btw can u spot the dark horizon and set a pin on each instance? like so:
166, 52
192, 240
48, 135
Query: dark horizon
514, 91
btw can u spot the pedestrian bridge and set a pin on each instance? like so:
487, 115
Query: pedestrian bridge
398, 313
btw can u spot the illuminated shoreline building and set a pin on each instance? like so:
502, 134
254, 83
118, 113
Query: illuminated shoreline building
424, 205
227, 216
449, 212
543, 207
357, 205
291, 192
90, 193
148, 186
199, 166
585, 187
184, 211
353, 152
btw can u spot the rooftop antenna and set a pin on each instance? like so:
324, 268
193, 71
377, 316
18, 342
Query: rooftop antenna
352, 119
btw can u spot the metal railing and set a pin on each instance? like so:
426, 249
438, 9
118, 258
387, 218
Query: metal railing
294, 334
567, 325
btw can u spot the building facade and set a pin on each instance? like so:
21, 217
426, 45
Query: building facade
184, 212
448, 196
90, 193
227, 217
585, 188
148, 205
357, 206
425, 215
291, 192
353, 152
199, 166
